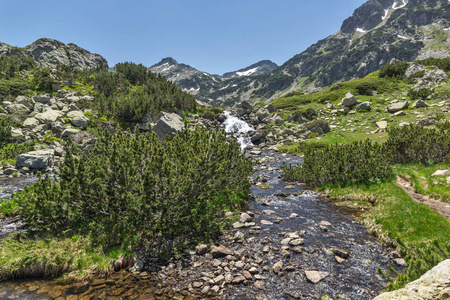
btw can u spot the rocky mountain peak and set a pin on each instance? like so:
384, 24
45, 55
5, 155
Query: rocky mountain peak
49, 53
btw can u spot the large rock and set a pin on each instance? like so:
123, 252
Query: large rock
17, 109
419, 103
78, 119
349, 100
363, 106
319, 126
44, 98
246, 105
30, 123
49, 116
262, 113
40, 159
28, 102
395, 107
169, 123
433, 285
273, 119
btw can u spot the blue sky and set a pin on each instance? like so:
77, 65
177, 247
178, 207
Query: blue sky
210, 35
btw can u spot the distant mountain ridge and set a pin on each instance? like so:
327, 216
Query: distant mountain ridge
202, 84
49, 53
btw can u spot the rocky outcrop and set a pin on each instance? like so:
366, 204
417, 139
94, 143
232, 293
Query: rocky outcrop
424, 76
49, 53
433, 285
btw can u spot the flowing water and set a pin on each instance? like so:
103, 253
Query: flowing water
238, 128
279, 209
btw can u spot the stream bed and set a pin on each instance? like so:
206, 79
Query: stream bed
289, 227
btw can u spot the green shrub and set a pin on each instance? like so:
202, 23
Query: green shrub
13, 87
356, 162
417, 144
11, 151
5, 130
421, 93
134, 189
441, 63
369, 87
393, 70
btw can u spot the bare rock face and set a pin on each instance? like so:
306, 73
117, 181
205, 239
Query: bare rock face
434, 284
49, 53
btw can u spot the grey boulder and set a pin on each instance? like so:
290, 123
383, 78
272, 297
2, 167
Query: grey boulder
17, 109
349, 100
168, 124
40, 159
395, 107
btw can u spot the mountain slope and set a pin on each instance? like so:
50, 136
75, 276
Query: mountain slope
49, 53
377, 32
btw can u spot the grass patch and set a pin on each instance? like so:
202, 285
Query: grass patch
423, 183
265, 186
24, 256
422, 234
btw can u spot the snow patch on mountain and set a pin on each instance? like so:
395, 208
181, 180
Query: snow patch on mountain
248, 72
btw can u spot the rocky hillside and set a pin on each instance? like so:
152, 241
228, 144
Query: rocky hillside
377, 32
208, 88
49, 53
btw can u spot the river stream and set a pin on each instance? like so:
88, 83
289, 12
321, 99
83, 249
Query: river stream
290, 227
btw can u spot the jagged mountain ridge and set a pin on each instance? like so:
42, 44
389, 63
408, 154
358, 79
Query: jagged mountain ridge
49, 53
202, 84
377, 32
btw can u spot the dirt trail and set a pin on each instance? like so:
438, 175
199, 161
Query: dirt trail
436, 205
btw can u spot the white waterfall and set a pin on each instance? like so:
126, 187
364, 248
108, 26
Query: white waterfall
239, 128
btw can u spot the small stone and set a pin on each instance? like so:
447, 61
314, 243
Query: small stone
400, 262
201, 249
197, 284
215, 289
293, 216
276, 268
297, 249
221, 251
325, 223
245, 218
315, 276
247, 275
238, 279
342, 253
265, 222
296, 242
238, 236
219, 279
285, 241
238, 225
205, 290
339, 259
260, 285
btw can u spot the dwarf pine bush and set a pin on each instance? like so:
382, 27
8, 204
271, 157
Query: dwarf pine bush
417, 144
132, 189
356, 162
